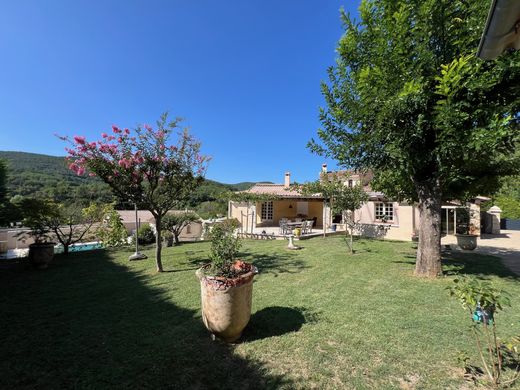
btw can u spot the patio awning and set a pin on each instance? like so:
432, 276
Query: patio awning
502, 30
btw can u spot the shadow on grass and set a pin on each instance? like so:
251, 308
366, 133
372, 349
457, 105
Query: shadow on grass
89, 322
457, 263
284, 261
274, 321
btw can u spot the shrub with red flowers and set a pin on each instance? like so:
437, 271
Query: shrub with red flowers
143, 167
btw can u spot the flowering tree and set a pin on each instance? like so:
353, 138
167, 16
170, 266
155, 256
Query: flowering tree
144, 168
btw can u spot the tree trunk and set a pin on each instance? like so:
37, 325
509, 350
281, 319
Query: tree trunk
428, 263
158, 244
176, 237
65, 249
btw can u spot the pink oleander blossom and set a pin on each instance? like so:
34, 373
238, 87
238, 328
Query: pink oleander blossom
79, 140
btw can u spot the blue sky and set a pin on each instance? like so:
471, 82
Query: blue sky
245, 75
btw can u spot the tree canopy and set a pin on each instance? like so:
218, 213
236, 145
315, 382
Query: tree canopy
145, 168
408, 99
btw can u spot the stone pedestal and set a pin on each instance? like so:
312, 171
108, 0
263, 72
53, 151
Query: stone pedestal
494, 213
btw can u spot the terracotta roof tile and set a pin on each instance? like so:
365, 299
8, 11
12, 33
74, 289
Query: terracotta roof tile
277, 190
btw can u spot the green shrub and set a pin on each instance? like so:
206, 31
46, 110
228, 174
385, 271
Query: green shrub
224, 247
145, 235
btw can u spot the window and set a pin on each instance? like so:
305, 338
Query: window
384, 212
188, 229
350, 183
267, 211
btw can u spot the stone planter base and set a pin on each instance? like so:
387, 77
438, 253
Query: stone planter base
226, 304
467, 242
40, 255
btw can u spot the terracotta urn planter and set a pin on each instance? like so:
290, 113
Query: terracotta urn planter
41, 254
226, 302
467, 242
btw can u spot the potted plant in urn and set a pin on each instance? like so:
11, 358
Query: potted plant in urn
38, 215
226, 285
467, 232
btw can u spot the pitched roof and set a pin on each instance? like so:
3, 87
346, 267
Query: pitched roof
278, 190
143, 215
129, 215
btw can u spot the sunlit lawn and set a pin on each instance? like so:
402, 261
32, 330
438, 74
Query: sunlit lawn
321, 319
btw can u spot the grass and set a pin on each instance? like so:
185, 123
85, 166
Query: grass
321, 319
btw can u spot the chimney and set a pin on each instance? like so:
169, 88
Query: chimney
323, 168
287, 181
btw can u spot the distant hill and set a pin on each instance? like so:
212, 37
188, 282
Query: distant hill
39, 175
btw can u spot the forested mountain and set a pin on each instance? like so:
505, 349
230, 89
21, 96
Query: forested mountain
39, 175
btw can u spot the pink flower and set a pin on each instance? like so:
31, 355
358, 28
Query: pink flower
80, 171
160, 134
79, 140
148, 127
73, 167
92, 174
104, 135
127, 131
116, 129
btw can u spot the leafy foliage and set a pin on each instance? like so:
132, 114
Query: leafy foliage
483, 301
507, 198
408, 99
473, 293
144, 169
3, 193
40, 176
224, 247
145, 235
111, 231
341, 197
71, 223
174, 223
38, 216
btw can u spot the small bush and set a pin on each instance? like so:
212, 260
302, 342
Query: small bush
145, 235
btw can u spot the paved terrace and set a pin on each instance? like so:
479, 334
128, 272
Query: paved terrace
505, 245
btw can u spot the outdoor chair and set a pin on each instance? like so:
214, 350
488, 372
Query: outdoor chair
284, 228
304, 227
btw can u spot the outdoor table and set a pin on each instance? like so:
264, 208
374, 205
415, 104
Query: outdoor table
294, 224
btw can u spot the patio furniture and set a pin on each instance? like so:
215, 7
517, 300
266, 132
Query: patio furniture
310, 224
285, 228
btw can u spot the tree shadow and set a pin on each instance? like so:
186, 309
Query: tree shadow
285, 261
89, 322
274, 321
456, 263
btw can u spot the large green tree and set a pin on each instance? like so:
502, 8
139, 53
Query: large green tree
408, 99
3, 193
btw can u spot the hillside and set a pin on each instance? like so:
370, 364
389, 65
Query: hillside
39, 175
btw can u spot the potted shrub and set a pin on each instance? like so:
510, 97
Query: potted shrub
38, 217
467, 233
226, 285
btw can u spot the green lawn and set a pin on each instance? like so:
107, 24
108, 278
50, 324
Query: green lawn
321, 319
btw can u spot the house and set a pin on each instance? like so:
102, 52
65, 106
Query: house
380, 217
191, 232
502, 29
